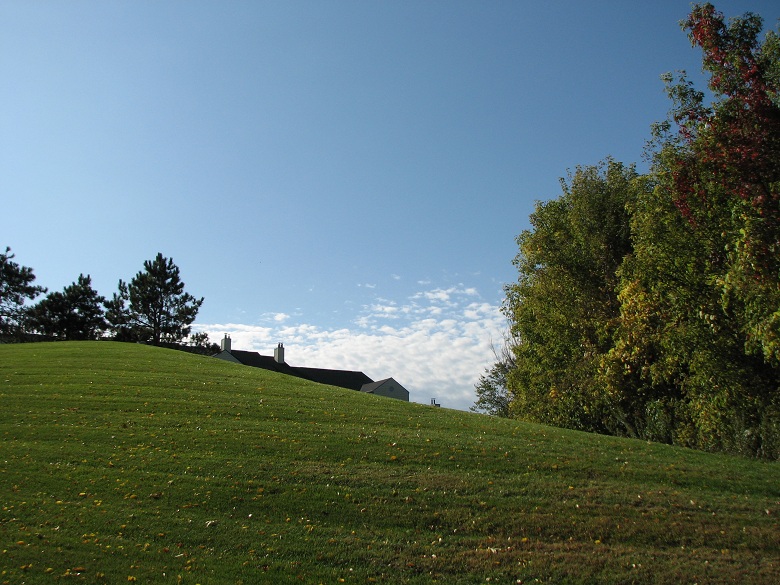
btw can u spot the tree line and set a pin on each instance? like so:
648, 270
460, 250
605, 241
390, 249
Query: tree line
151, 308
648, 305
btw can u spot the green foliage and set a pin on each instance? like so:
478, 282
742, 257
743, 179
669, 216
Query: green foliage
75, 313
153, 307
713, 279
493, 394
723, 169
677, 357
16, 286
129, 463
654, 312
200, 343
564, 305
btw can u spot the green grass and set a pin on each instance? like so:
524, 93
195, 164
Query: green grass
122, 463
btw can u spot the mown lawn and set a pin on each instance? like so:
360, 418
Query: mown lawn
126, 463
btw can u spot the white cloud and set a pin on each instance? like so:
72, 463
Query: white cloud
436, 350
442, 295
383, 310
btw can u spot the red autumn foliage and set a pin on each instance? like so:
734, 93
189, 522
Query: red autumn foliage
736, 144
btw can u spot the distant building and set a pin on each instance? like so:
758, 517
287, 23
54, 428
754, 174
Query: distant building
348, 379
388, 387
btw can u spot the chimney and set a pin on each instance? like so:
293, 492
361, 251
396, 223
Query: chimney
225, 343
279, 354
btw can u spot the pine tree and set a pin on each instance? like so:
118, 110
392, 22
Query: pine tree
16, 286
74, 313
153, 306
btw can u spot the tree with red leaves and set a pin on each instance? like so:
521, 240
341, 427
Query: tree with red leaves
696, 355
675, 338
724, 166
737, 140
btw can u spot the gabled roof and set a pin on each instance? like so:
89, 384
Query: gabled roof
373, 385
254, 359
342, 378
387, 387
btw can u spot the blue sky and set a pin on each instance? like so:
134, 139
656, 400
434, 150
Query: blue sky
346, 177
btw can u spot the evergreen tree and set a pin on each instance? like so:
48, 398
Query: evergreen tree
74, 313
201, 344
153, 307
16, 286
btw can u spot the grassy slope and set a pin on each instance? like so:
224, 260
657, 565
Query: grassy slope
121, 462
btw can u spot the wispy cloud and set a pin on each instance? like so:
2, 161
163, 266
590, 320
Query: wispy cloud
436, 343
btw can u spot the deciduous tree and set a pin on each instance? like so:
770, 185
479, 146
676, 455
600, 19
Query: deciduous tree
650, 306
723, 166
694, 360
564, 306
704, 284
493, 394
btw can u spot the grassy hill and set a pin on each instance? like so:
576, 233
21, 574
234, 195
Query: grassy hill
123, 463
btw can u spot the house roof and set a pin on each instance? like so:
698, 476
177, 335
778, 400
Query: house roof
391, 384
342, 378
254, 359
373, 385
